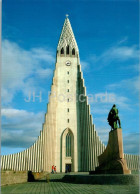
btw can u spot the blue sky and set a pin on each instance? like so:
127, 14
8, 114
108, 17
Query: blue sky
107, 36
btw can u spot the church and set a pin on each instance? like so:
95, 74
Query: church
68, 136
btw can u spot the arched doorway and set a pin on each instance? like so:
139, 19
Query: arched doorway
67, 150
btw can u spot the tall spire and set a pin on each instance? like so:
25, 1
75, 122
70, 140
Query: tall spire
67, 37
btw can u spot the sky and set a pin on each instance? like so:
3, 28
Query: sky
107, 34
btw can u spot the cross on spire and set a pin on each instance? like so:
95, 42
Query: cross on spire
67, 15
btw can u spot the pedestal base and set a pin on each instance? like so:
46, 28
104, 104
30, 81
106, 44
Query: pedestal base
112, 160
112, 167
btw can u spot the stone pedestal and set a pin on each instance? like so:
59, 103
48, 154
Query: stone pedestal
112, 160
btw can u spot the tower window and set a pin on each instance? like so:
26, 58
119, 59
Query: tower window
68, 120
67, 50
62, 50
68, 145
68, 81
68, 109
68, 100
73, 51
68, 90
67, 72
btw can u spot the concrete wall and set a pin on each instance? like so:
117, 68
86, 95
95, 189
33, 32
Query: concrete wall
12, 177
30, 159
132, 161
89, 143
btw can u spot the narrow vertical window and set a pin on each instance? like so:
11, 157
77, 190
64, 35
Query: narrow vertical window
67, 72
68, 81
68, 90
62, 50
68, 99
68, 145
68, 110
68, 120
67, 50
73, 51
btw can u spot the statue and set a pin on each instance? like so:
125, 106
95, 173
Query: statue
113, 118
112, 160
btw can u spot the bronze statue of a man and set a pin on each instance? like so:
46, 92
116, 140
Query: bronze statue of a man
113, 118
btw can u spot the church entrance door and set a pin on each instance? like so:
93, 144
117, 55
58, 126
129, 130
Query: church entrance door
68, 167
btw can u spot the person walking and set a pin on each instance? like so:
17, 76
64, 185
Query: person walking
66, 168
53, 169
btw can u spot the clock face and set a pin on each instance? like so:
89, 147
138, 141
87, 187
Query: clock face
68, 63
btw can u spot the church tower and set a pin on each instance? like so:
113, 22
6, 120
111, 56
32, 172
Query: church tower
67, 61
68, 119
62, 107
68, 136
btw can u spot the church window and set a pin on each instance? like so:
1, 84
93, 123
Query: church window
68, 109
73, 51
62, 50
67, 50
68, 90
68, 81
67, 72
68, 99
68, 145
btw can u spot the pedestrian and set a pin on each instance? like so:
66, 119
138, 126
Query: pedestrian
55, 169
66, 168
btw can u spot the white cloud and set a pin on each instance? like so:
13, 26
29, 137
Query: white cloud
43, 73
84, 65
127, 84
14, 113
123, 102
43, 55
116, 53
123, 53
20, 68
20, 128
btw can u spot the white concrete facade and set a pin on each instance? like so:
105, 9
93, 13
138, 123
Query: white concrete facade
68, 113
64, 98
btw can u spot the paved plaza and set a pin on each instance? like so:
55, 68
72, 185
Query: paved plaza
56, 186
